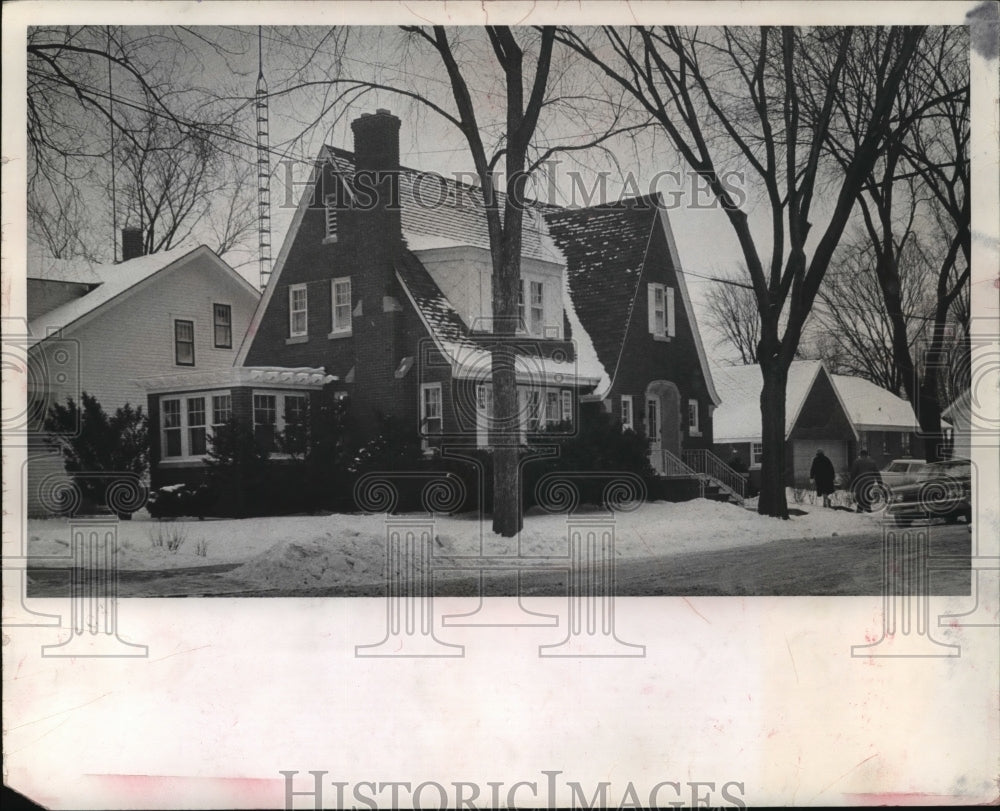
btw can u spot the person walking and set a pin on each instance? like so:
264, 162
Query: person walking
824, 475
865, 479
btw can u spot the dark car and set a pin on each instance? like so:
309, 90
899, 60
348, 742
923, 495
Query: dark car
944, 490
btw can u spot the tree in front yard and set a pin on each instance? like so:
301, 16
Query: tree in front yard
103, 444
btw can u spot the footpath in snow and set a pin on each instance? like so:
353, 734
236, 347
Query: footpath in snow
338, 550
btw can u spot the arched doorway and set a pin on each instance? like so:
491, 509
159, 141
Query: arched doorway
663, 427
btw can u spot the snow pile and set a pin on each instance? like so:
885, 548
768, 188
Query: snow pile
335, 559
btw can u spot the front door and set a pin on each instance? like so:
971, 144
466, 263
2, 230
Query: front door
654, 432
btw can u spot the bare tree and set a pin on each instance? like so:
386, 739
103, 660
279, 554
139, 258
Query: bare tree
926, 157
855, 331
732, 312
740, 97
115, 116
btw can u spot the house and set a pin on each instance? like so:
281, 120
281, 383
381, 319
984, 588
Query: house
816, 417
960, 419
626, 286
99, 327
886, 424
382, 294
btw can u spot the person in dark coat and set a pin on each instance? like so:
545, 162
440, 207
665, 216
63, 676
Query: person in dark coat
865, 481
824, 475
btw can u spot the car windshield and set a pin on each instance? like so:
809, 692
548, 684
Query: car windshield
939, 469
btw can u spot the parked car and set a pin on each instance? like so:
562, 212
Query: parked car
943, 490
902, 471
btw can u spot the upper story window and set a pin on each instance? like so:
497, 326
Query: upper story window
628, 415
183, 342
661, 310
330, 208
298, 311
694, 423
531, 307
222, 317
341, 304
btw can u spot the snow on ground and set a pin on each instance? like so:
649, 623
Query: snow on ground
337, 550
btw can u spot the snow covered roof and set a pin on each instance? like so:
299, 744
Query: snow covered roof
872, 408
303, 377
605, 248
468, 358
440, 212
50, 269
114, 281
737, 419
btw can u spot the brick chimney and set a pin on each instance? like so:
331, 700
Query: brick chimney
376, 239
132, 246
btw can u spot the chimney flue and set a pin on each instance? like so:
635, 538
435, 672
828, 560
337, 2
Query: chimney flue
132, 246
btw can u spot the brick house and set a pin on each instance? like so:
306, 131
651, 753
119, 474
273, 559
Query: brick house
815, 417
99, 327
382, 294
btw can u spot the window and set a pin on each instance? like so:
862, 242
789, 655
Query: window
222, 409
222, 318
430, 411
296, 423
197, 445
530, 409
661, 310
171, 411
567, 405
904, 444
628, 417
537, 315
341, 305
184, 343
756, 453
552, 409
885, 443
265, 420
484, 413
694, 427
531, 320
298, 311
184, 423
330, 204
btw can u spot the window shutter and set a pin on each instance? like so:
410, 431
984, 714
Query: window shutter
669, 304
651, 306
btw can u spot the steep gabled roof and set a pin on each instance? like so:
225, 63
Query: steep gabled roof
872, 408
440, 212
606, 248
737, 419
117, 281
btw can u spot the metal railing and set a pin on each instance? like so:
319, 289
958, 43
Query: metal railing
706, 463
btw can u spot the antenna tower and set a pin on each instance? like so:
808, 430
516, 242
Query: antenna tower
263, 168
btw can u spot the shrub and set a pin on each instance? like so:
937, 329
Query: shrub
116, 444
177, 500
237, 472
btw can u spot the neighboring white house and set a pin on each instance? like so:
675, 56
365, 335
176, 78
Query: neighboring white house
959, 414
886, 424
98, 328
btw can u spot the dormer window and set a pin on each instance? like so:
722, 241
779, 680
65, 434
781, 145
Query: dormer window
298, 311
531, 307
330, 206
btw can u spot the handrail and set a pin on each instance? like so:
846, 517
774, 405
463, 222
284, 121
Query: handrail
707, 463
673, 465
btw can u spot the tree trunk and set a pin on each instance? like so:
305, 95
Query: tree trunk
505, 439
772, 500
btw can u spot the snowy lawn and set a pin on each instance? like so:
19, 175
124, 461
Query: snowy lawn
321, 550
